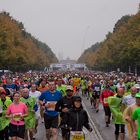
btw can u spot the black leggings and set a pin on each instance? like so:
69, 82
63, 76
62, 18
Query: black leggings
107, 111
117, 128
4, 135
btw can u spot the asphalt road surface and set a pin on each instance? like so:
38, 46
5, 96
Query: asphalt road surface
107, 133
100, 131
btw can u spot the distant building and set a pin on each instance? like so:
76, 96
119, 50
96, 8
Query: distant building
67, 61
68, 65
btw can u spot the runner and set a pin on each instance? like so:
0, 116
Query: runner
30, 120
63, 106
35, 94
61, 87
4, 122
136, 117
76, 82
97, 92
130, 99
77, 117
104, 100
128, 112
50, 115
43, 86
116, 107
17, 111
83, 86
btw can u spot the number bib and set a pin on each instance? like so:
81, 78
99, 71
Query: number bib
105, 100
52, 105
77, 135
17, 116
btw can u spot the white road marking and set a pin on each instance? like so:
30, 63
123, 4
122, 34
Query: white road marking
95, 130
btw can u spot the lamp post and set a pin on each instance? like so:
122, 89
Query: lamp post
84, 38
135, 70
129, 69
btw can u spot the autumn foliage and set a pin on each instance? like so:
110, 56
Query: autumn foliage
120, 49
19, 50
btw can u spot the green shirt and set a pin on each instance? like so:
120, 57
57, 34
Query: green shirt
4, 121
90, 94
30, 119
136, 116
62, 89
113, 88
115, 105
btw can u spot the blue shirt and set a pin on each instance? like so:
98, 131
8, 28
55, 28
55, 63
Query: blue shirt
13, 86
47, 96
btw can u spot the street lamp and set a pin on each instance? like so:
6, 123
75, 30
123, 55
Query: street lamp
84, 38
135, 70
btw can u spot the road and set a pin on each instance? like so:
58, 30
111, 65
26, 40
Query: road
100, 132
107, 133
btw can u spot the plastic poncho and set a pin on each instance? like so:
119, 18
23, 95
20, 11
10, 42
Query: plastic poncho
62, 89
90, 94
113, 88
83, 84
4, 122
127, 114
116, 107
30, 120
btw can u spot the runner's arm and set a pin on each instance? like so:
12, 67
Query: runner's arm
41, 98
86, 122
58, 106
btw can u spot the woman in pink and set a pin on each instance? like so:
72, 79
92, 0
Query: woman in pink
16, 112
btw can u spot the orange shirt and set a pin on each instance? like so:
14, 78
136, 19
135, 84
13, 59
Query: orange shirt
41, 89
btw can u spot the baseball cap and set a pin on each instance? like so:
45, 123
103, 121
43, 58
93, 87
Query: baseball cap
137, 86
69, 87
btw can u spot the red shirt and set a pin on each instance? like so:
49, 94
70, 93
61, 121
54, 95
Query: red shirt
104, 96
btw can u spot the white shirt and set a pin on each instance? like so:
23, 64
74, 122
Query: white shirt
129, 100
36, 95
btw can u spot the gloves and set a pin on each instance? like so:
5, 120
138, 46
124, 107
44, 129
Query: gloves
90, 129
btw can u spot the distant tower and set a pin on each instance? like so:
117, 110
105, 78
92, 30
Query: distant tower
60, 56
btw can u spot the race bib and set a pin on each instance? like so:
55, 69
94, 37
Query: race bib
97, 88
17, 116
51, 105
105, 100
77, 135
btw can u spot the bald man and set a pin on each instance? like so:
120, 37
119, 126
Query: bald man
116, 107
130, 99
30, 120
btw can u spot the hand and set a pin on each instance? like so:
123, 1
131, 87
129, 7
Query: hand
17, 117
11, 116
47, 105
21, 117
134, 135
42, 107
65, 109
90, 129
128, 119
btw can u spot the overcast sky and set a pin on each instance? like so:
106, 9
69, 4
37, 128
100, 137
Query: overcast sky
69, 26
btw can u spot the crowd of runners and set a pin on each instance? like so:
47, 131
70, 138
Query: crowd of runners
55, 98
